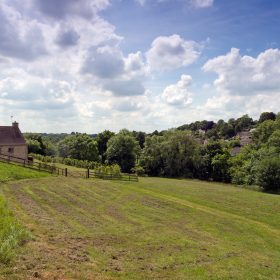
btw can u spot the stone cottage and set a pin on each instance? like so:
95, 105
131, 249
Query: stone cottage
12, 142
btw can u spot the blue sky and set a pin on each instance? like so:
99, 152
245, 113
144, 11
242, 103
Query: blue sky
91, 65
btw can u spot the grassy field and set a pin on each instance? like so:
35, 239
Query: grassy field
12, 233
153, 229
13, 172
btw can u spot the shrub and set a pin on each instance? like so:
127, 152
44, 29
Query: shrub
268, 174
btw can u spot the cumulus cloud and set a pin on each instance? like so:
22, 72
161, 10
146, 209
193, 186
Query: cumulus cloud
67, 38
172, 52
104, 62
115, 73
62, 8
18, 39
141, 2
202, 3
178, 94
129, 87
246, 75
34, 93
135, 65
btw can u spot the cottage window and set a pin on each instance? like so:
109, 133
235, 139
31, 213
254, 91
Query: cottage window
11, 150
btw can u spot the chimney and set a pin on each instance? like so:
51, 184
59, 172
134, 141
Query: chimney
15, 124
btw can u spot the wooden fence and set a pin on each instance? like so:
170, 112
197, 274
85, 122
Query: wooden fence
41, 166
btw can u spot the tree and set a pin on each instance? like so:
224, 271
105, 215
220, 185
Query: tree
268, 174
220, 167
140, 137
79, 146
36, 144
33, 146
245, 122
263, 131
123, 149
102, 140
267, 116
151, 158
174, 154
274, 140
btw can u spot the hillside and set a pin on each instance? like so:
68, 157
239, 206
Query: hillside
154, 229
12, 172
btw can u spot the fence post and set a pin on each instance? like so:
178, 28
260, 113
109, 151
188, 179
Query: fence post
88, 173
65, 172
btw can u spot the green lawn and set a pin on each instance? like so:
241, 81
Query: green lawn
154, 229
12, 233
13, 172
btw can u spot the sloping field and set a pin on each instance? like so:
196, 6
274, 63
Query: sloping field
13, 172
154, 229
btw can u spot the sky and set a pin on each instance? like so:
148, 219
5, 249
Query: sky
91, 65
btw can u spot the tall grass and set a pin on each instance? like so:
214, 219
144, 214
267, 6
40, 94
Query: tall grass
12, 234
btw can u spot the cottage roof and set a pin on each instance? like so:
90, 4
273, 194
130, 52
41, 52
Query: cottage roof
11, 135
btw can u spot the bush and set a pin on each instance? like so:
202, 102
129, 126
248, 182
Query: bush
268, 174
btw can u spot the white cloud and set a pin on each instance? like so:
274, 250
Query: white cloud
124, 87
104, 62
178, 94
35, 93
246, 75
67, 38
135, 65
245, 84
172, 52
16, 35
141, 2
62, 8
202, 3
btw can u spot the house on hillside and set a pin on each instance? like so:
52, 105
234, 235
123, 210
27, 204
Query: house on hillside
12, 142
245, 137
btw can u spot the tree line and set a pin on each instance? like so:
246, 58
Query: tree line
202, 150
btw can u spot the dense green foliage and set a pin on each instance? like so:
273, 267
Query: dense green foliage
122, 149
102, 140
175, 154
97, 166
81, 146
202, 149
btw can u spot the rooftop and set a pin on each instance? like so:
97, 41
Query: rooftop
11, 135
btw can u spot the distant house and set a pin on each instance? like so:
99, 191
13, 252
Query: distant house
12, 142
245, 137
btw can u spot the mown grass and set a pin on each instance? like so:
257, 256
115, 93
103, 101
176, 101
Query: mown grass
13, 172
12, 233
154, 229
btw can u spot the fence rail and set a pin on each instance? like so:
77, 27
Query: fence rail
65, 172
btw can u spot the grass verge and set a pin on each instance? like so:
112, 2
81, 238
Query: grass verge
10, 172
12, 234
